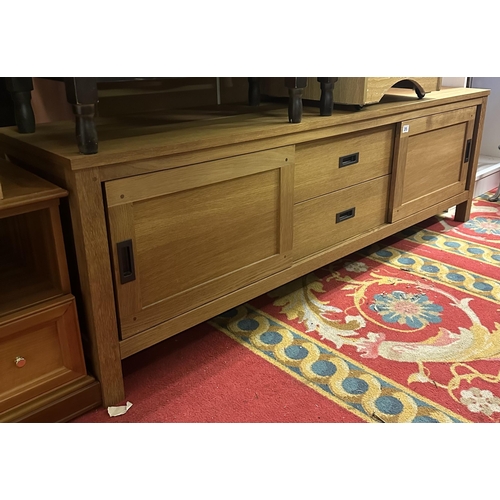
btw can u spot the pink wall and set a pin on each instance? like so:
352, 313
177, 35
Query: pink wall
48, 100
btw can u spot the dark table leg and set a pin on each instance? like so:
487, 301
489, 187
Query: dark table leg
326, 100
253, 91
295, 86
82, 94
20, 90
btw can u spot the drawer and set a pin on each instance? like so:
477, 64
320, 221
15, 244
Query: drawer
40, 350
335, 163
330, 219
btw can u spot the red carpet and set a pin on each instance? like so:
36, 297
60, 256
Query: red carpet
407, 330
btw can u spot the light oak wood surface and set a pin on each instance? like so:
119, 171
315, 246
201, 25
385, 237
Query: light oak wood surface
171, 215
152, 136
432, 159
21, 188
323, 166
316, 227
359, 91
159, 164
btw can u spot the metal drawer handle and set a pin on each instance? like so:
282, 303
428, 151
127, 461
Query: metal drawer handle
20, 361
346, 214
345, 161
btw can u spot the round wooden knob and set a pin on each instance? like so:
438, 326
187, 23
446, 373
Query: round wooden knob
20, 361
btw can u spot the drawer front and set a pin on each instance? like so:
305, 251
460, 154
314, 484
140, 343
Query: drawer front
183, 237
39, 351
335, 163
330, 219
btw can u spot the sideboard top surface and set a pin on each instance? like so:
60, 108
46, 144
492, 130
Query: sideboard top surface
140, 137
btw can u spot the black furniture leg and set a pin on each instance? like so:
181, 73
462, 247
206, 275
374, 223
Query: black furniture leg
82, 94
408, 84
20, 90
420, 92
253, 91
295, 86
326, 100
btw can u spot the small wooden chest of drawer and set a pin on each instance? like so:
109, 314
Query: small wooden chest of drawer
40, 350
325, 221
335, 163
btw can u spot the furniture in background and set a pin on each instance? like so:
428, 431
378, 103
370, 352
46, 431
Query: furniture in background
357, 91
82, 94
296, 86
361, 91
43, 376
174, 223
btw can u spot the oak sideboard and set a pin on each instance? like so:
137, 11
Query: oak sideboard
181, 216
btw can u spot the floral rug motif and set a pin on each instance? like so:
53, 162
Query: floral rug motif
406, 330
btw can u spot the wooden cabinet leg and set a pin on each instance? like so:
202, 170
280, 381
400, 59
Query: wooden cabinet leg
20, 90
82, 94
96, 284
326, 100
253, 91
462, 211
295, 86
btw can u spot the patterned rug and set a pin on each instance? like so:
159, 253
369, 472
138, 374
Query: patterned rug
406, 330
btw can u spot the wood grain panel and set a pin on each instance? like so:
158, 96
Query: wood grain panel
193, 134
351, 90
439, 120
315, 221
48, 338
193, 236
22, 189
318, 169
33, 261
197, 237
92, 252
432, 159
146, 186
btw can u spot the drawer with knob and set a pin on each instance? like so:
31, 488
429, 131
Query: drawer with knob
328, 220
335, 163
39, 351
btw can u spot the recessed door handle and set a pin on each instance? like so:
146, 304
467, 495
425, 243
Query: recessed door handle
345, 161
126, 261
345, 215
467, 151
